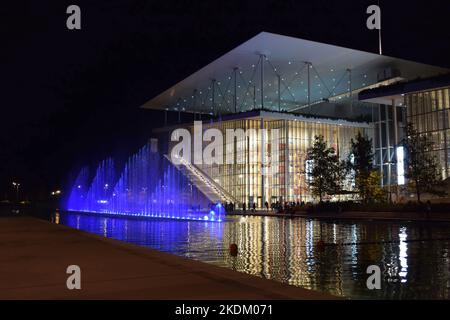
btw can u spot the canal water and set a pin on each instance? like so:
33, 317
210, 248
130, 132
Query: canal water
414, 259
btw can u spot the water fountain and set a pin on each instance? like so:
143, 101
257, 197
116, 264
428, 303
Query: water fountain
79, 190
97, 198
148, 186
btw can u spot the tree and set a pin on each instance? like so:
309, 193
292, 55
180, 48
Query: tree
372, 186
324, 169
421, 164
360, 167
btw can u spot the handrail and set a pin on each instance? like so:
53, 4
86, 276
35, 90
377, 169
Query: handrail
207, 180
215, 183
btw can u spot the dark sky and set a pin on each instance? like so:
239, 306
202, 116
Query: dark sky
71, 97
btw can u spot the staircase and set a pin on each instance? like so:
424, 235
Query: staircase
211, 189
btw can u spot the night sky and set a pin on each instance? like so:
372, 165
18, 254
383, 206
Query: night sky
70, 98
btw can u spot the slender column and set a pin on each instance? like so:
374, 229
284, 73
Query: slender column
234, 165
263, 173
388, 150
395, 120
279, 92
262, 80
248, 170
194, 104
350, 90
254, 97
235, 89
308, 66
213, 85
373, 129
379, 38
380, 136
286, 160
394, 110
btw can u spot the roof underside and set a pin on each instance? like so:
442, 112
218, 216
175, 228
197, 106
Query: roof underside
212, 88
393, 94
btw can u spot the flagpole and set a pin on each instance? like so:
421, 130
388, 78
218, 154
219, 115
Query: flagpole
379, 41
379, 32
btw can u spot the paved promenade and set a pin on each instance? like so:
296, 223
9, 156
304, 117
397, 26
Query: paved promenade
34, 255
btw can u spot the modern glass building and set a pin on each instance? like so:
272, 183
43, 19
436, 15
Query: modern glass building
429, 112
303, 89
425, 103
282, 175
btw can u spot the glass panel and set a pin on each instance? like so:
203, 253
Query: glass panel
440, 103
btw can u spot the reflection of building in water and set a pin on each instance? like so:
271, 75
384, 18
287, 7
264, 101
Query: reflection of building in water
403, 254
285, 250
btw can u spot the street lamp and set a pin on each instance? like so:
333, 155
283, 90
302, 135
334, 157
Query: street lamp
16, 185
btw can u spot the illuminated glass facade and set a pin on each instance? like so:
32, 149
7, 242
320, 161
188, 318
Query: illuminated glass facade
287, 182
429, 113
389, 125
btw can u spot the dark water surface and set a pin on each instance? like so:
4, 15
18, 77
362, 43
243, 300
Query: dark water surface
413, 258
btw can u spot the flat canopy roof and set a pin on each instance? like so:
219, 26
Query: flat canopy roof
285, 62
394, 93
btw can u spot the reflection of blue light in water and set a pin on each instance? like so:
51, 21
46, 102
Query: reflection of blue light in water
161, 234
105, 227
148, 186
403, 255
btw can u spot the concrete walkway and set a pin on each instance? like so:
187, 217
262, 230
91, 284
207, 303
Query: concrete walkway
34, 255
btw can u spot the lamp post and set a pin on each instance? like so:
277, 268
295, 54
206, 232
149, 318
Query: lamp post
16, 185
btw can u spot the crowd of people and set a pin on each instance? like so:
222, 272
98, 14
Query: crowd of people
293, 207
274, 206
